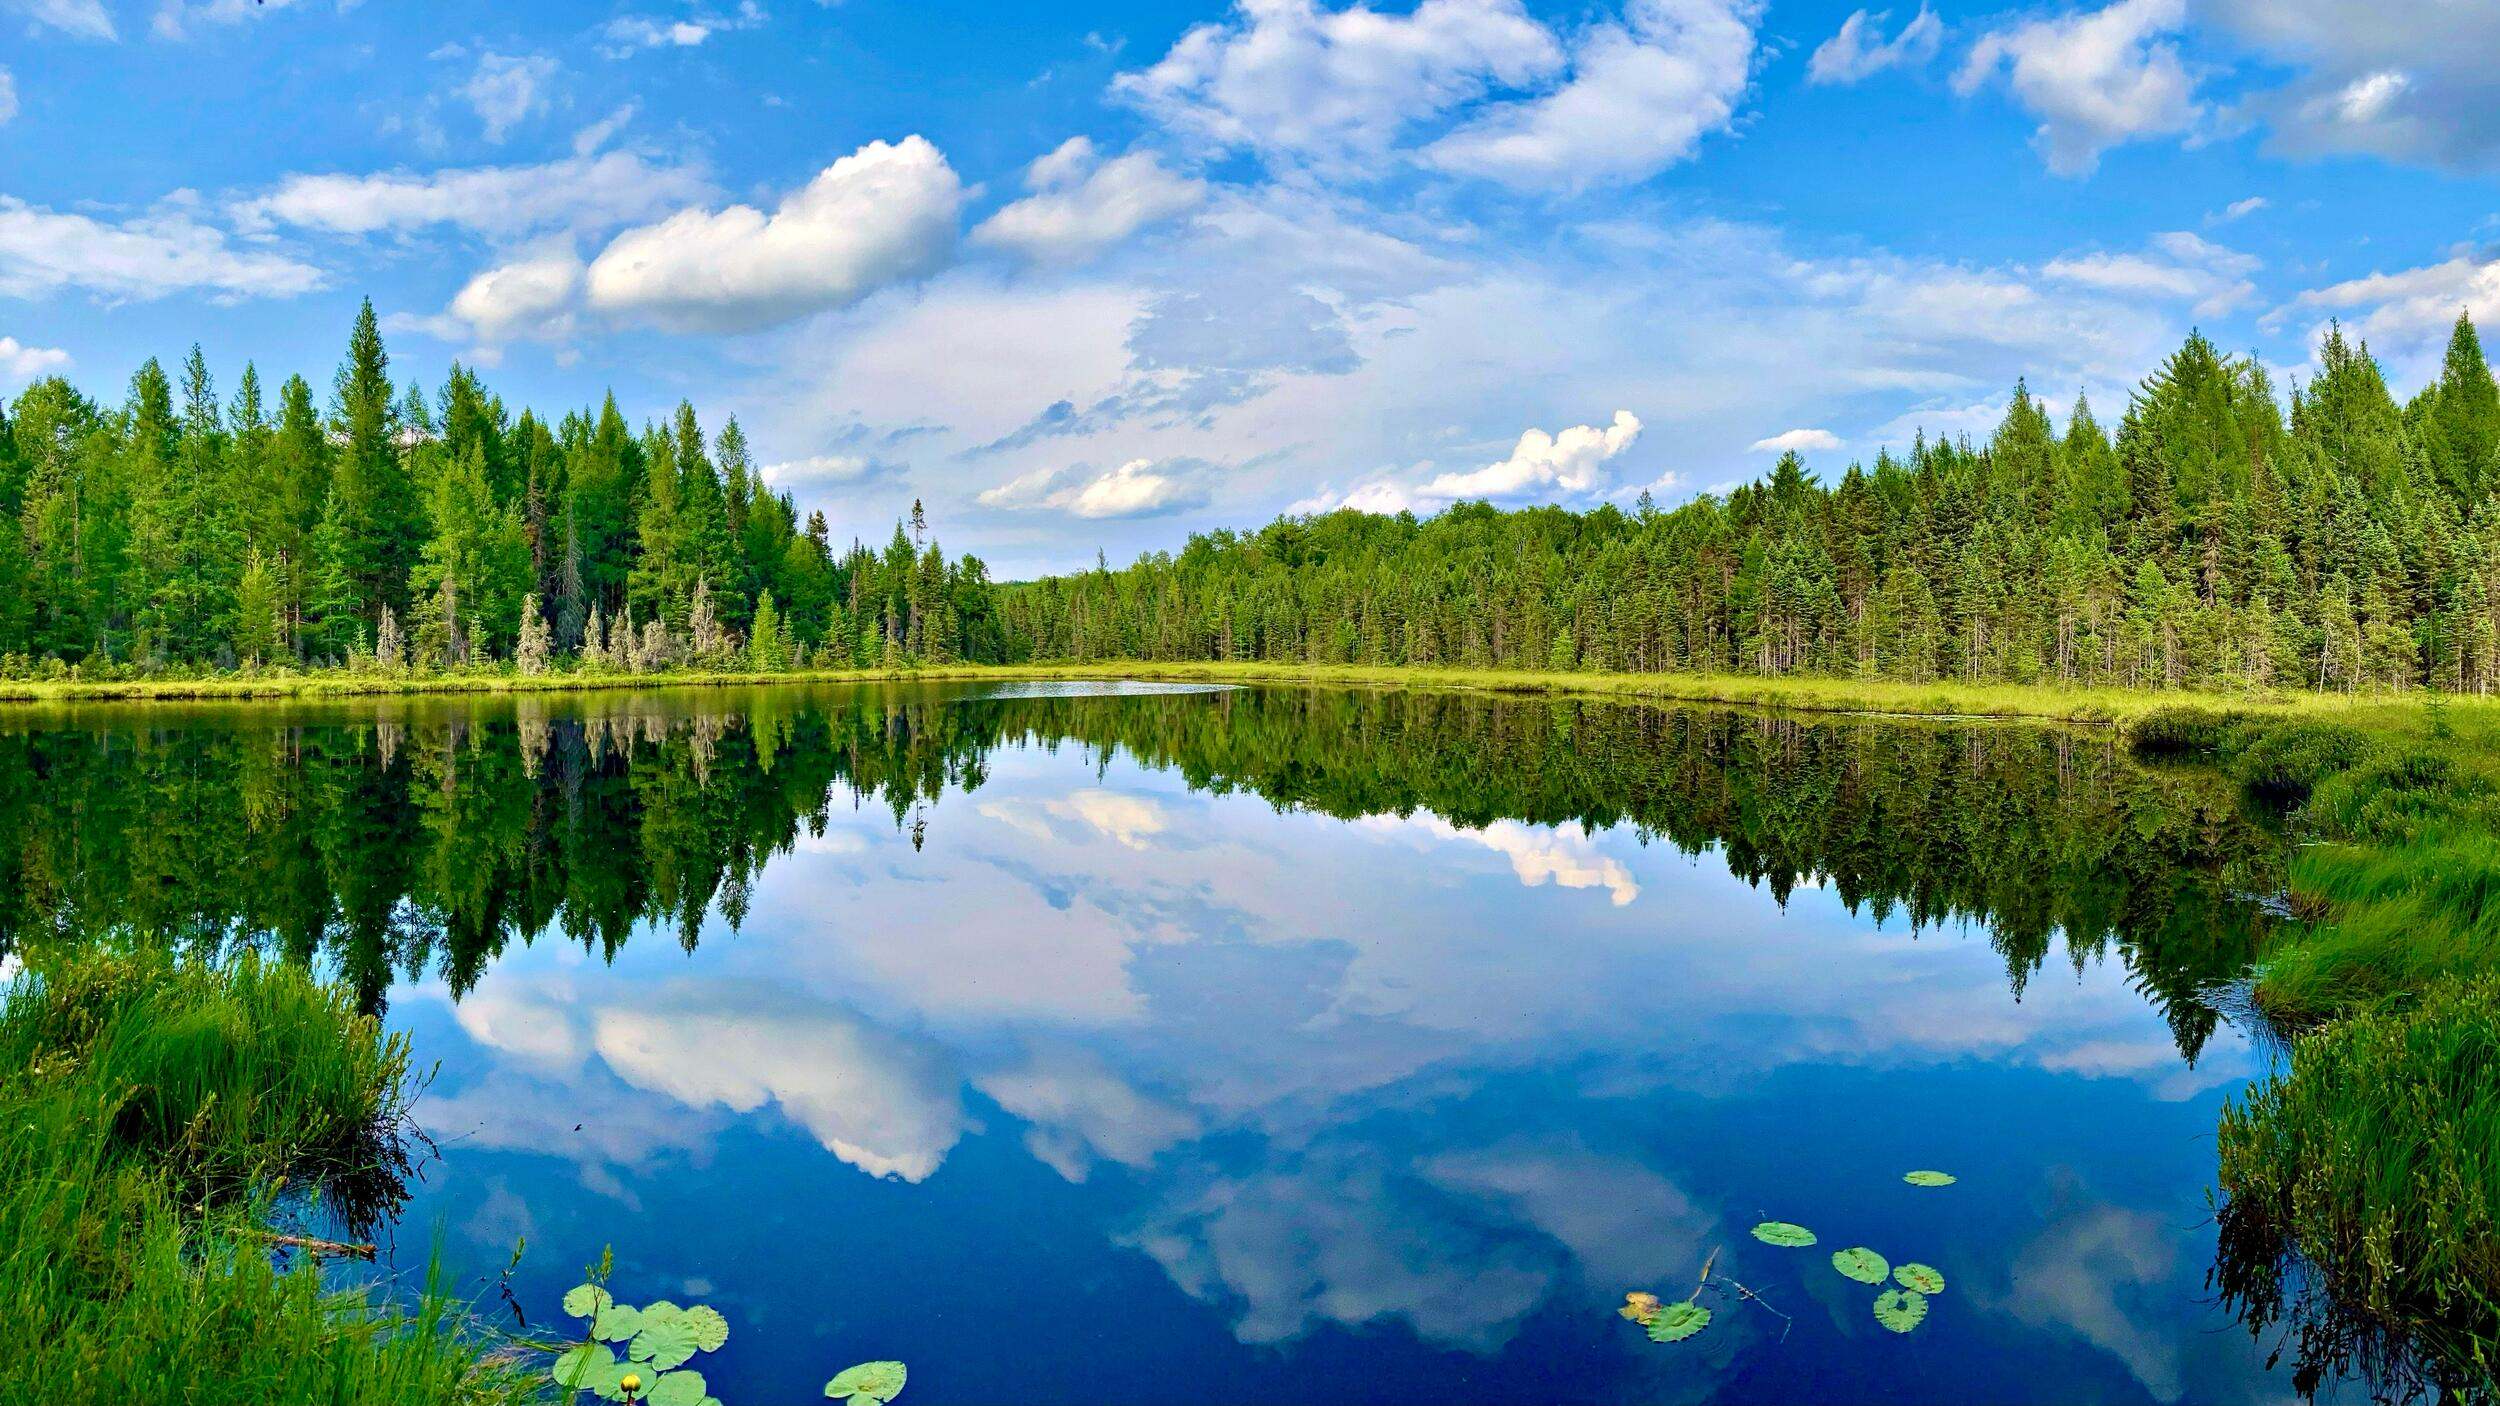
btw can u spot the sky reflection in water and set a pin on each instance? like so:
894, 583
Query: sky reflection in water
1116, 1090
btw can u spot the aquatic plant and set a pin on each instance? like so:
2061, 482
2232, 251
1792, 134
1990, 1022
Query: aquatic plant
1783, 1234
660, 1338
1923, 1279
868, 1383
1675, 1322
1924, 1178
1901, 1309
1861, 1264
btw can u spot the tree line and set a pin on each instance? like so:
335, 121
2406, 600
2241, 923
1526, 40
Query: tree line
2224, 536
384, 529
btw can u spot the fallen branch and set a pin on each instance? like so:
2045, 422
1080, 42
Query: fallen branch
344, 1249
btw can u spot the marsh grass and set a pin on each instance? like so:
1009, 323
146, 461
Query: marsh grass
2364, 1194
155, 1115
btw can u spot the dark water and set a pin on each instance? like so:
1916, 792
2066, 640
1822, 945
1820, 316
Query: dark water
1246, 1046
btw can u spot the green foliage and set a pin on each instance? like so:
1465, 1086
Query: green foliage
1675, 1322
1919, 1278
1775, 1232
1901, 1310
1861, 1264
1929, 1178
868, 1383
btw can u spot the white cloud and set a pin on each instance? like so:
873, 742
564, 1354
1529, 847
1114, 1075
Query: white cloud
1798, 441
529, 299
20, 363
627, 35
2179, 266
1641, 97
2408, 82
2238, 210
1859, 51
1080, 207
819, 471
885, 213
1559, 463
175, 19
165, 251
1137, 488
2094, 79
8, 97
582, 192
507, 90
1337, 89
2407, 314
1538, 856
83, 19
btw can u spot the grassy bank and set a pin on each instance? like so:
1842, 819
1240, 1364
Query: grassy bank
151, 1110
1799, 694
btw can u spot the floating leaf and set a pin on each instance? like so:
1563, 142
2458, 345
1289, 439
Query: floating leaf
583, 1300
616, 1322
582, 1368
1677, 1321
868, 1384
710, 1329
664, 1343
662, 1309
1928, 1178
1639, 1307
1781, 1233
1861, 1264
1919, 1278
1901, 1309
676, 1389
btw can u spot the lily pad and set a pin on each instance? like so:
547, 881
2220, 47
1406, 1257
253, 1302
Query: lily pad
616, 1322
676, 1389
1783, 1234
612, 1386
1639, 1307
868, 1384
710, 1329
664, 1343
583, 1300
1677, 1321
1919, 1278
583, 1368
1861, 1264
1901, 1309
1923, 1178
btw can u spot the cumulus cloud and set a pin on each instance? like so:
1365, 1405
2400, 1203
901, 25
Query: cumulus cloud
2095, 80
168, 250
83, 19
2409, 312
1081, 205
581, 192
884, 213
20, 363
1563, 463
529, 299
1337, 89
819, 472
507, 90
1797, 440
1859, 51
1538, 855
1137, 488
1641, 96
2179, 266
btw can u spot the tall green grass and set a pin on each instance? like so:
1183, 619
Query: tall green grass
154, 1113
2363, 1205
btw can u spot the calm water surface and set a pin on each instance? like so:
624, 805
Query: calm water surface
1246, 1046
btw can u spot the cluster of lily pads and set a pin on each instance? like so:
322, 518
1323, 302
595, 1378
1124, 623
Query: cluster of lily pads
659, 1339
1900, 1309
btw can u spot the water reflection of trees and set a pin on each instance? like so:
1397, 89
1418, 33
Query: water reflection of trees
413, 839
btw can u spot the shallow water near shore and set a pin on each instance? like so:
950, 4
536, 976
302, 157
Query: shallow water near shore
1141, 1044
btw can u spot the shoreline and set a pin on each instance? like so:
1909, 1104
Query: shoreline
1793, 693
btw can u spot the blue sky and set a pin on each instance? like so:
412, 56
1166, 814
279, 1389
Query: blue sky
1097, 275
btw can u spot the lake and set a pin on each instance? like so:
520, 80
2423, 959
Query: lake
1145, 1044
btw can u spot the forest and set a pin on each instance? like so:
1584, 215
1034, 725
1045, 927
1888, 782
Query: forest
2225, 536
384, 529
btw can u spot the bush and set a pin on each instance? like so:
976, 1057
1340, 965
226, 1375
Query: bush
2179, 731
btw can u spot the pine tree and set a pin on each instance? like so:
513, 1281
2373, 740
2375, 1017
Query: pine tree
530, 654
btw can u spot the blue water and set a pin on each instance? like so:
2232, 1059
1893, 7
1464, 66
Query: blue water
1116, 1090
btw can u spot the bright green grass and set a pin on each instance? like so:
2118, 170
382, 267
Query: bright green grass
152, 1114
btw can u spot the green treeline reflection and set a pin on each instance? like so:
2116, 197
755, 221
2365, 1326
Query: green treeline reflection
414, 839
